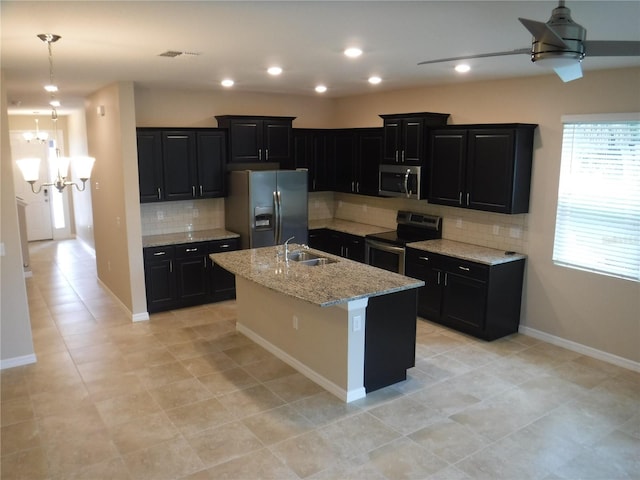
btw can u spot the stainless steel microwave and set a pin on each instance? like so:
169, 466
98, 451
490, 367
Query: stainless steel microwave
399, 181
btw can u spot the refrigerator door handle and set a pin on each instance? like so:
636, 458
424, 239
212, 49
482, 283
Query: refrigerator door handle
279, 197
276, 219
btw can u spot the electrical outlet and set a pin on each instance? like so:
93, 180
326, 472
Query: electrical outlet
109, 265
195, 213
160, 215
117, 221
357, 323
496, 229
295, 322
459, 223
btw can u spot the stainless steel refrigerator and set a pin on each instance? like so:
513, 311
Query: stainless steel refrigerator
266, 207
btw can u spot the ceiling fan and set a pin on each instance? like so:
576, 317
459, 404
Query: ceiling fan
561, 45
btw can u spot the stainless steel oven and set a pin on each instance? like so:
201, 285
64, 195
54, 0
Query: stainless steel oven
387, 249
399, 181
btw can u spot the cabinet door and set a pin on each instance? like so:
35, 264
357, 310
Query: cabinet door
211, 160
448, 150
324, 147
353, 247
160, 285
245, 139
344, 162
490, 158
464, 303
150, 166
191, 277
223, 282
335, 243
423, 266
392, 131
180, 169
303, 155
276, 143
412, 142
318, 239
369, 158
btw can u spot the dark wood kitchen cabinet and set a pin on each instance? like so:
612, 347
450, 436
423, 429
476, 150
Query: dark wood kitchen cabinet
258, 139
405, 136
183, 275
478, 299
181, 164
313, 149
338, 243
358, 153
482, 167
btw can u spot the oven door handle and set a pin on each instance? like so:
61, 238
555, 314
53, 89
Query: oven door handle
406, 183
385, 247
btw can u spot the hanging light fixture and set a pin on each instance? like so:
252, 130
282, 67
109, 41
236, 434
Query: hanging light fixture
30, 167
38, 135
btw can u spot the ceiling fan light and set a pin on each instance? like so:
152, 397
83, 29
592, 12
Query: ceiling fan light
557, 61
54, 103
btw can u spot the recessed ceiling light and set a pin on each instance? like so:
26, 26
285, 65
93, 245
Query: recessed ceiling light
321, 89
462, 68
274, 70
51, 88
54, 103
353, 52
374, 80
227, 82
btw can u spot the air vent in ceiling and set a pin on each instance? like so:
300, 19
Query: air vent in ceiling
175, 53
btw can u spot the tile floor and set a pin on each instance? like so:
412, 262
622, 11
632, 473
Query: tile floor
183, 396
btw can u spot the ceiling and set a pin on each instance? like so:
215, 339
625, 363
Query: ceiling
103, 42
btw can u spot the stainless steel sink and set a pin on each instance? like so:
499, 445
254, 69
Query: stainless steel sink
310, 259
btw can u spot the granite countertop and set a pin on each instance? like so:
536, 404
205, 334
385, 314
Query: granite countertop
345, 226
323, 285
467, 251
187, 237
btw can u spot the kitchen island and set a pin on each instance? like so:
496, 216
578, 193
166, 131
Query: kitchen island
347, 326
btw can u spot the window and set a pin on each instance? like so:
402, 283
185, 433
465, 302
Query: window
598, 217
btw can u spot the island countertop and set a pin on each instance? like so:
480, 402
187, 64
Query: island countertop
323, 285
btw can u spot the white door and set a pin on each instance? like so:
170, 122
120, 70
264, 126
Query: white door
38, 210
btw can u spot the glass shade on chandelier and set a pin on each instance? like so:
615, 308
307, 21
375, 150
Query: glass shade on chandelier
38, 135
30, 168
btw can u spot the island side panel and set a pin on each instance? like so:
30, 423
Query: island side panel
390, 342
318, 347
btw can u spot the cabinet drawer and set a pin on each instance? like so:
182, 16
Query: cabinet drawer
191, 250
158, 253
224, 245
466, 268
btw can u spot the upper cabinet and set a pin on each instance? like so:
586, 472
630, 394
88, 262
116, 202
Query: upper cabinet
405, 136
483, 167
258, 139
314, 149
181, 164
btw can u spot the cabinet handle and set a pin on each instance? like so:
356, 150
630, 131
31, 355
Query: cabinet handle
159, 194
467, 199
191, 250
260, 154
170, 266
157, 254
193, 190
357, 187
226, 245
402, 156
426, 259
445, 279
177, 136
266, 154
200, 190
396, 156
352, 186
439, 277
460, 198
204, 262
466, 269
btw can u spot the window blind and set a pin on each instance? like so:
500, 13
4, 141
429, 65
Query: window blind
598, 216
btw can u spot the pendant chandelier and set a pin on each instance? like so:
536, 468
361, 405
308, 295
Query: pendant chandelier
30, 167
37, 136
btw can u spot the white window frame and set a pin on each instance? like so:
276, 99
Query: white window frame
598, 212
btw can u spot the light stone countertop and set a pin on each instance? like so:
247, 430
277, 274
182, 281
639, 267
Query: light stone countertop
322, 285
187, 237
345, 226
466, 251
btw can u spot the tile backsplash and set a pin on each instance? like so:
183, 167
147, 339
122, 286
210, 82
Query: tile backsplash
173, 217
504, 232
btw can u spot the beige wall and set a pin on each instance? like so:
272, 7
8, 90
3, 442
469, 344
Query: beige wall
16, 344
114, 183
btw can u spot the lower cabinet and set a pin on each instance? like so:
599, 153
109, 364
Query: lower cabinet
478, 299
337, 243
183, 275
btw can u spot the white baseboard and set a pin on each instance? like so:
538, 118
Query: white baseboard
579, 348
341, 393
135, 317
18, 361
140, 317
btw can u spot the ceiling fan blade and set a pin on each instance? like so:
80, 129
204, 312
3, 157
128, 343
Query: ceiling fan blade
607, 48
518, 51
543, 33
570, 72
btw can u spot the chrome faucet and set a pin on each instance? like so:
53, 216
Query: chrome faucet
286, 248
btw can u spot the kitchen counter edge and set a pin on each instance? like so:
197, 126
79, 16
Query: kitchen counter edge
177, 238
467, 251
